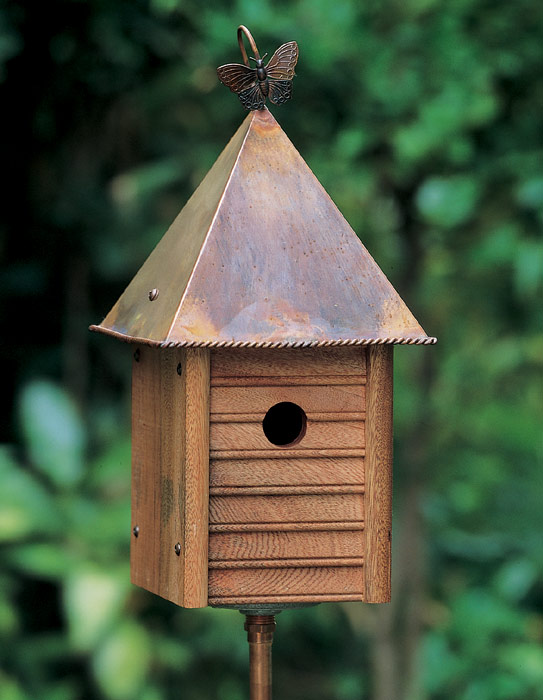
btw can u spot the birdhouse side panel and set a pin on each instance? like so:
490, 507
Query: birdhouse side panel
170, 467
287, 520
378, 496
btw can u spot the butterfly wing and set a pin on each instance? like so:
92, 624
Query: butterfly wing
283, 62
280, 91
236, 77
252, 98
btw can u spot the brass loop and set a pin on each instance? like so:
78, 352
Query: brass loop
241, 31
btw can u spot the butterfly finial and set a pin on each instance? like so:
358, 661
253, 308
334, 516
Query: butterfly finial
254, 85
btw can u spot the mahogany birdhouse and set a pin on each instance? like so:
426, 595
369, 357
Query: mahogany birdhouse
262, 391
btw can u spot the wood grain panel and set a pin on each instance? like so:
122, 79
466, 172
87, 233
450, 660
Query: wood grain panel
250, 436
291, 380
259, 417
340, 399
303, 581
158, 419
170, 486
297, 563
145, 468
287, 472
283, 361
293, 452
336, 525
284, 490
379, 475
284, 545
272, 509
196, 482
286, 598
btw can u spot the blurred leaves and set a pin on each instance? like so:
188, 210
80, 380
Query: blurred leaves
121, 663
53, 432
448, 201
93, 600
24, 502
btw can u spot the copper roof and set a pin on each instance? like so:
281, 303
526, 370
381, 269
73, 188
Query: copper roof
260, 256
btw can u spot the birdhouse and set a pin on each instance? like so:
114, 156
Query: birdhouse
262, 391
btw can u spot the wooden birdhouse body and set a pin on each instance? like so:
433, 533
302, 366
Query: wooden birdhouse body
259, 522
262, 391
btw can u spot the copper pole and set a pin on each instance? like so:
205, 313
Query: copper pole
260, 630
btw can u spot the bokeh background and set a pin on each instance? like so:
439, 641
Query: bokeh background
424, 121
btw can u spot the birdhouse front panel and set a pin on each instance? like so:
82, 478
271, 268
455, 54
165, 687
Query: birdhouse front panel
288, 498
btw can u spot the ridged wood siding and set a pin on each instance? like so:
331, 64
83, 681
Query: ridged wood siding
286, 524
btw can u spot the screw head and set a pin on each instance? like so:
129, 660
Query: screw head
153, 294
136, 530
177, 548
179, 369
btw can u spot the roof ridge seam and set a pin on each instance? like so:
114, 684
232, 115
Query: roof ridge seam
176, 315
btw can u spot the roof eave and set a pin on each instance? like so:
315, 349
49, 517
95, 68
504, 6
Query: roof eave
300, 343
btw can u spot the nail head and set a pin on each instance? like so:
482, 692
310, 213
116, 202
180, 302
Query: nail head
153, 294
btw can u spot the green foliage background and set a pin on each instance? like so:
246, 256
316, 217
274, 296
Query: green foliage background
423, 119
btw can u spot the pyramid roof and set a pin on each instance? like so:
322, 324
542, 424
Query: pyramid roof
260, 256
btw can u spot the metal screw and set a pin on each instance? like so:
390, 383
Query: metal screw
153, 294
179, 369
177, 548
136, 530
137, 355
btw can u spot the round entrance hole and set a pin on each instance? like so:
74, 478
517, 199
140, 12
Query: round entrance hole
284, 424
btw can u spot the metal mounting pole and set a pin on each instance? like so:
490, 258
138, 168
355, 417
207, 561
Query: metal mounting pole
260, 629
